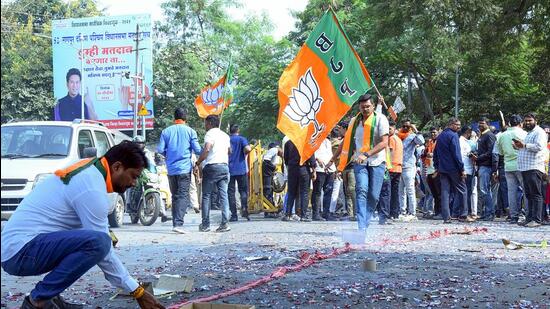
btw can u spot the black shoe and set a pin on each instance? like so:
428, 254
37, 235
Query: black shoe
164, 219
233, 219
59, 302
305, 219
271, 215
331, 217
245, 214
223, 228
488, 219
448, 221
204, 228
318, 218
514, 221
427, 215
27, 303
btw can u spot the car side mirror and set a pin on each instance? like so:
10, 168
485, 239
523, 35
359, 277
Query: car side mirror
89, 152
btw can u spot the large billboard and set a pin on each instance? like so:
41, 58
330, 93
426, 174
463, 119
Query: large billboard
96, 57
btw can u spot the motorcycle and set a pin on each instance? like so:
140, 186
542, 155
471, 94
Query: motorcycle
144, 201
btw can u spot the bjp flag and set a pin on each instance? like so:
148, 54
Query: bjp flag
320, 85
215, 98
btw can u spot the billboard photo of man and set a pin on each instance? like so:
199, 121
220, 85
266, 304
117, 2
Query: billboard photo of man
69, 107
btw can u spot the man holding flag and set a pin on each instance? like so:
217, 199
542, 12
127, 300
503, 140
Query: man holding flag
364, 145
317, 89
319, 86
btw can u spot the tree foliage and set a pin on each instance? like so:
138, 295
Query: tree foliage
501, 49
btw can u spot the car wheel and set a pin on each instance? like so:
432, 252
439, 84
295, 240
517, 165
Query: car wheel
117, 216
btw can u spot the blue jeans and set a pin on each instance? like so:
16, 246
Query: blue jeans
297, 190
503, 202
65, 255
450, 181
514, 183
485, 193
394, 198
214, 175
368, 183
384, 201
242, 184
181, 198
323, 184
457, 201
407, 190
428, 205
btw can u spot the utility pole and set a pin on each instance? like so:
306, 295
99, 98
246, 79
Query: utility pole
409, 90
456, 92
136, 99
82, 114
457, 65
142, 100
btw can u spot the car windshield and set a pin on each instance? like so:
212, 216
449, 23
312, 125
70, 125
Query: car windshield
35, 141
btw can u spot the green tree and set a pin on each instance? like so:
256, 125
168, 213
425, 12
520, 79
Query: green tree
198, 41
500, 48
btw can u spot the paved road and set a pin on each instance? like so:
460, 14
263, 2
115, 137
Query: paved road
457, 270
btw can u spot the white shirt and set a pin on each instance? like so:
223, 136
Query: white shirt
220, 145
323, 155
534, 154
54, 206
382, 128
466, 149
271, 154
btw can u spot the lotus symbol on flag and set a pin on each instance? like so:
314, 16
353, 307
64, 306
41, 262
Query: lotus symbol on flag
211, 96
305, 102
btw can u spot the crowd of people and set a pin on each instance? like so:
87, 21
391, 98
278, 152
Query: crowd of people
366, 169
369, 168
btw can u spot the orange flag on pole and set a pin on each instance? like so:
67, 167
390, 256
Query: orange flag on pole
320, 85
211, 99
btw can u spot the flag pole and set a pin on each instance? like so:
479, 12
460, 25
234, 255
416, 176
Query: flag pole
225, 88
379, 95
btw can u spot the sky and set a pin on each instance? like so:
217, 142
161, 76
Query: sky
278, 11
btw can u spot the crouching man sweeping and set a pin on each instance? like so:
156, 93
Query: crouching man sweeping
61, 228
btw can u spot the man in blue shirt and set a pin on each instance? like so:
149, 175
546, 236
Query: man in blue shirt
176, 143
448, 163
238, 172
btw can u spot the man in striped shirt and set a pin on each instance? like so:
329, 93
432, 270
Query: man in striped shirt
531, 157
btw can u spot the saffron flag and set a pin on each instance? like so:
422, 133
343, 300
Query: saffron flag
320, 85
215, 98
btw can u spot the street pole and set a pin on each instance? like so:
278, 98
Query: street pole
82, 114
142, 100
409, 90
457, 65
136, 100
456, 93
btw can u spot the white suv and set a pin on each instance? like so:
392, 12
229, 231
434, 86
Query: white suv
32, 150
